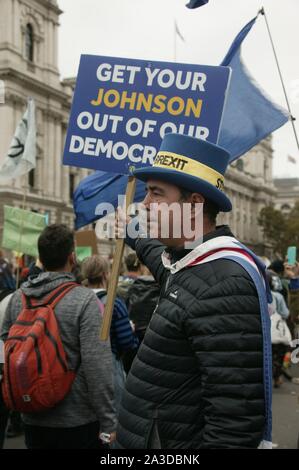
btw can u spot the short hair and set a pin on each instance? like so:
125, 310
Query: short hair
209, 208
132, 262
94, 268
55, 244
277, 266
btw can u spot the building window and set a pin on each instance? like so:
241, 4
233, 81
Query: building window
29, 43
285, 208
72, 186
31, 179
266, 166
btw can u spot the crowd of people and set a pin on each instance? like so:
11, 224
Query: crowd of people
95, 394
284, 310
93, 399
188, 364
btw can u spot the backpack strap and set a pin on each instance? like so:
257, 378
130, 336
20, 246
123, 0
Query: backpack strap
52, 299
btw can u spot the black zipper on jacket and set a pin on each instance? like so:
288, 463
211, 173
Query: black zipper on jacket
150, 435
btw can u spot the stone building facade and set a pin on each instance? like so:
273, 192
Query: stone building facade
287, 193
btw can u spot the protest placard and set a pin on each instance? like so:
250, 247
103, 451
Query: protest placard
21, 230
122, 108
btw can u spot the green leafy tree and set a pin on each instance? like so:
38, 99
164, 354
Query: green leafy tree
292, 227
280, 230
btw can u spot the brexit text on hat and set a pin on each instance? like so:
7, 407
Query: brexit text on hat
189, 166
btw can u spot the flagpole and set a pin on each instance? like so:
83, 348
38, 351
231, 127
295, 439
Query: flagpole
113, 281
22, 226
293, 119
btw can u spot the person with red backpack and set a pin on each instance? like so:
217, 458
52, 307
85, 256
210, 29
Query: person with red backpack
57, 371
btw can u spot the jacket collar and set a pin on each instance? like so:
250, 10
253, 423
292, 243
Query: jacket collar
220, 231
219, 240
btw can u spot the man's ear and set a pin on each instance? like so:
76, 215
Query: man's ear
197, 198
73, 259
197, 202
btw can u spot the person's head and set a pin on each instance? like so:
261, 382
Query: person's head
185, 189
133, 264
274, 281
56, 248
95, 270
277, 266
158, 192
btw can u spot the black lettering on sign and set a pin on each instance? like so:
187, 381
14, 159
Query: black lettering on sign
182, 164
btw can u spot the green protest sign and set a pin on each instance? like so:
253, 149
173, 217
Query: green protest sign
21, 230
83, 252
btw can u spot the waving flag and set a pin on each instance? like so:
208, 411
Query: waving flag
21, 157
249, 115
196, 3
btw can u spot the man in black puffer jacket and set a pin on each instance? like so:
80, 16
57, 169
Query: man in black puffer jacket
197, 380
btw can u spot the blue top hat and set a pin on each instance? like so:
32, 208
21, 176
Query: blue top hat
192, 164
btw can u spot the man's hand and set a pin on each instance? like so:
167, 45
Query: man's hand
107, 438
291, 270
121, 221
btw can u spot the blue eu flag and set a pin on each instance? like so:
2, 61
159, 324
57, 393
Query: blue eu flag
249, 115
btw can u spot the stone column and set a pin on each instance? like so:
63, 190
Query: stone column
48, 170
241, 222
50, 44
58, 158
55, 45
65, 170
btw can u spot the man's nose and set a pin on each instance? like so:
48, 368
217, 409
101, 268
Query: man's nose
146, 201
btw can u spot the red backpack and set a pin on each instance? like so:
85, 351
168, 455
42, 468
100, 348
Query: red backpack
36, 374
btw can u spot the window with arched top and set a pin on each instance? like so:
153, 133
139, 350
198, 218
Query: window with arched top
285, 208
29, 43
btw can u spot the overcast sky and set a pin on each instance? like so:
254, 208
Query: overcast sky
144, 29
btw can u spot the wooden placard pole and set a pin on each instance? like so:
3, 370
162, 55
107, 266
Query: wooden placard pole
120, 243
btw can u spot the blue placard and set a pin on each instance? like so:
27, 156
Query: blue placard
122, 108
